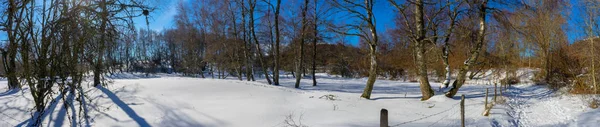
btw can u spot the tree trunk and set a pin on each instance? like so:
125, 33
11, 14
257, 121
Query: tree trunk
314, 53
13, 82
372, 73
460, 79
446, 50
300, 59
203, 63
591, 22
277, 41
99, 58
237, 54
593, 66
446, 67
258, 51
373, 50
420, 52
247, 56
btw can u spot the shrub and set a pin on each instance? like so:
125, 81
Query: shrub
581, 86
510, 80
594, 103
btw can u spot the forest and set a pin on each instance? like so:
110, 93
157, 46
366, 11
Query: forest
56, 47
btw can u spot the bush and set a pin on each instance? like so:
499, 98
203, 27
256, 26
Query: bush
510, 80
556, 79
581, 86
594, 103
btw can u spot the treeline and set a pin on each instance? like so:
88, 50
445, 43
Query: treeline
450, 40
58, 42
468, 36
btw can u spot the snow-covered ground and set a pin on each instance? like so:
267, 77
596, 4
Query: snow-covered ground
168, 100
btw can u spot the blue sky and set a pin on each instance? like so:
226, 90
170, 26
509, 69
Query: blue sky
384, 13
161, 18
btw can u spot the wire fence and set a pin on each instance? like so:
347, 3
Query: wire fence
428, 116
454, 112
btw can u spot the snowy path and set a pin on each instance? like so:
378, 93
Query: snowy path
536, 105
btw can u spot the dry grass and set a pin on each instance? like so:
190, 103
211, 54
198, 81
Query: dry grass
581, 86
594, 103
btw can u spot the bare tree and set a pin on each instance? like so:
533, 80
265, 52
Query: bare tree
12, 23
365, 22
591, 10
277, 43
276, 46
419, 38
460, 79
252, 4
453, 13
300, 54
314, 42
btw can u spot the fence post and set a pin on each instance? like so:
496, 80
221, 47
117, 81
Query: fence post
495, 91
383, 122
486, 98
462, 110
501, 91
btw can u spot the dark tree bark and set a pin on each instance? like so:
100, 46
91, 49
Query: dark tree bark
446, 49
248, 58
300, 54
314, 41
10, 67
258, 50
98, 65
277, 43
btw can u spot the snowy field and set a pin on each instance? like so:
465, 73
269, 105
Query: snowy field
173, 101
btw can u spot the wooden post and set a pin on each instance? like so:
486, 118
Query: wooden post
486, 98
462, 110
495, 91
501, 92
383, 122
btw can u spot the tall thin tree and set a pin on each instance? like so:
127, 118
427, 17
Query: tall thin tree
252, 4
460, 79
300, 52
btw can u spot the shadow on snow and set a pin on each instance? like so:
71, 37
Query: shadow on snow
128, 110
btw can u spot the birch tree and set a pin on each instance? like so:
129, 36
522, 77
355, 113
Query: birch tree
591, 29
418, 35
460, 79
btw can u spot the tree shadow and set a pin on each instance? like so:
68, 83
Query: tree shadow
393, 98
588, 119
9, 92
47, 112
12, 110
529, 92
178, 116
128, 110
134, 75
62, 113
